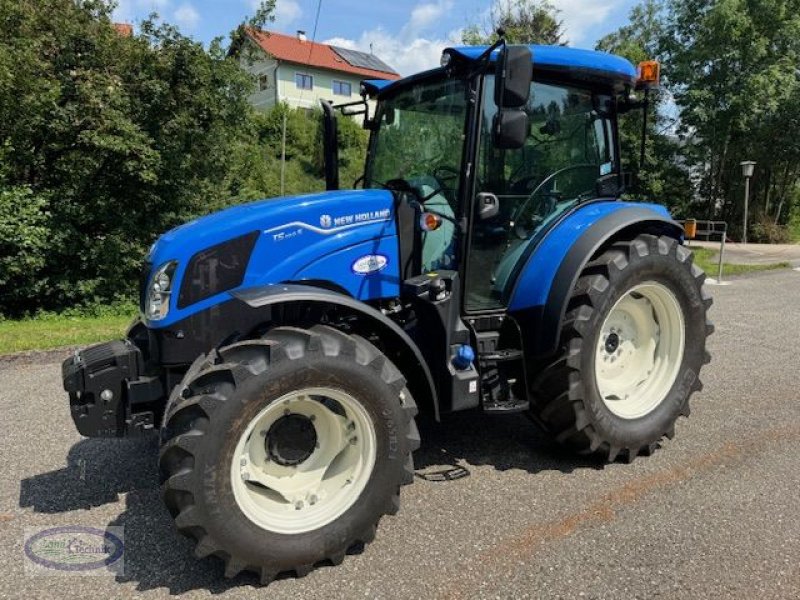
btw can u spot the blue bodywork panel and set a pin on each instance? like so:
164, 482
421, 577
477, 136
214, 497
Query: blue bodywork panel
544, 57
345, 237
534, 283
562, 57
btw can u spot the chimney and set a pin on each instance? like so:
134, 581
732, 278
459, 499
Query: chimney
301, 35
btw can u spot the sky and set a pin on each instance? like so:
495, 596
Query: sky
408, 34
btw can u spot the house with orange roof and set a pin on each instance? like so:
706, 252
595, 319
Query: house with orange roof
299, 72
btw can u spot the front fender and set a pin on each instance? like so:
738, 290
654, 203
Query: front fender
412, 361
549, 272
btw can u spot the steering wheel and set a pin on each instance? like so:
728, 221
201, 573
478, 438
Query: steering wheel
552, 198
444, 176
444, 173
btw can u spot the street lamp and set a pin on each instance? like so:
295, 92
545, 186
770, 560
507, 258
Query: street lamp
748, 167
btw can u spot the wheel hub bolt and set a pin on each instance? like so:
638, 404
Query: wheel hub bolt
298, 505
354, 441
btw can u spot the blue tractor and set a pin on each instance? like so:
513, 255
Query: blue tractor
487, 263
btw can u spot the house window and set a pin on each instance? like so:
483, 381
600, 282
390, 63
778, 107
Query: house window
303, 81
342, 88
263, 82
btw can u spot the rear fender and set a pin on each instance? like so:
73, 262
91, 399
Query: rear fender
540, 297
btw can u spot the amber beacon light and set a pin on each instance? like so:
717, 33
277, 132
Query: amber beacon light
650, 72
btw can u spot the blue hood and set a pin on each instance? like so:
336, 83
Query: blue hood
312, 237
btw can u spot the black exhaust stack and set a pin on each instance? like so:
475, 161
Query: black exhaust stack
330, 138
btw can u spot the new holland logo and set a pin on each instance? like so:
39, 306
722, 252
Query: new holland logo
326, 221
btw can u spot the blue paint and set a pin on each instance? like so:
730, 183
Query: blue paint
317, 236
337, 267
545, 57
565, 58
534, 283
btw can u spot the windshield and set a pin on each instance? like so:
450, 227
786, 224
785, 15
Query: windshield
420, 139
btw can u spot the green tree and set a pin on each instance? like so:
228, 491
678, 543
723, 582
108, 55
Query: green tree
24, 241
524, 21
663, 177
117, 139
732, 65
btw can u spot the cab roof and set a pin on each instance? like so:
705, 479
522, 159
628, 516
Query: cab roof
574, 63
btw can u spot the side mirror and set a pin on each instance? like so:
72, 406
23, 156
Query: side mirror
488, 206
512, 91
513, 77
510, 129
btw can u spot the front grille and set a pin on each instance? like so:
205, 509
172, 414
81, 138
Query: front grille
216, 269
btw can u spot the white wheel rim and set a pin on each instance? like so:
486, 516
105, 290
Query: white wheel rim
640, 350
304, 494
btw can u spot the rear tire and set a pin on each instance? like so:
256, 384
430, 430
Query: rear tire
294, 403
642, 303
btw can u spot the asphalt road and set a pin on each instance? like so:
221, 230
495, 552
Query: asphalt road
714, 513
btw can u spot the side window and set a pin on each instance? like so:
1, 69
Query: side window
263, 82
303, 81
342, 88
569, 147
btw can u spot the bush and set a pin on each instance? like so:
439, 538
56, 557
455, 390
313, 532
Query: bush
106, 142
24, 241
765, 231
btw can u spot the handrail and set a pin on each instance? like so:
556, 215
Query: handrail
709, 229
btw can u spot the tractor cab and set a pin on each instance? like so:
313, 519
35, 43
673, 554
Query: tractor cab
492, 161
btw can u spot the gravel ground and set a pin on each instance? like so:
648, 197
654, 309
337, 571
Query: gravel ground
714, 513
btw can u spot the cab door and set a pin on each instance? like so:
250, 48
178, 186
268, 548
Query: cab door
569, 149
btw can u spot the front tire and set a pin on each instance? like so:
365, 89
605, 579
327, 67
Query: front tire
633, 344
283, 453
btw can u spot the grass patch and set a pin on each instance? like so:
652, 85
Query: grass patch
48, 331
708, 261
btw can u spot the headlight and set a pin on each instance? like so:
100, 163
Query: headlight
159, 290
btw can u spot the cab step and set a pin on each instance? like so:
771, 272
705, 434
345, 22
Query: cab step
510, 407
500, 356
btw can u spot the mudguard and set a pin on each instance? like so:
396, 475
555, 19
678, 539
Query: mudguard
550, 271
272, 295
